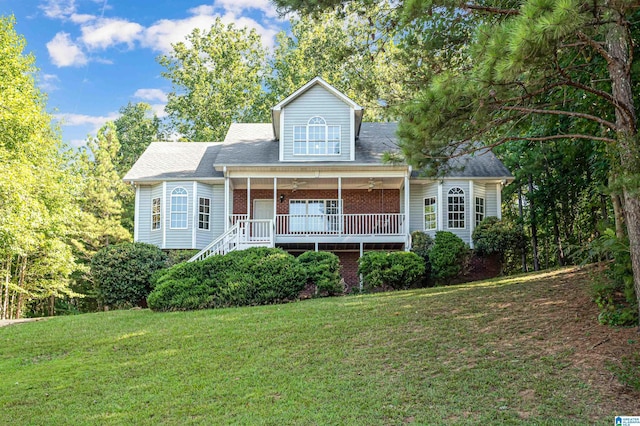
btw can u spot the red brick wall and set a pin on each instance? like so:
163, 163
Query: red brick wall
349, 268
354, 200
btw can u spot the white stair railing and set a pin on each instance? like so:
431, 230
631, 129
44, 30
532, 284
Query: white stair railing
243, 234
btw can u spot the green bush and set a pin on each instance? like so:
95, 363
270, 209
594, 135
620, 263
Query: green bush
448, 257
396, 270
323, 271
421, 243
122, 273
497, 237
255, 276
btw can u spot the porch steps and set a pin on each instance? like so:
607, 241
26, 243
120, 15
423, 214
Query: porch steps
242, 235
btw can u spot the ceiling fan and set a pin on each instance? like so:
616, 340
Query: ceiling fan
295, 184
371, 184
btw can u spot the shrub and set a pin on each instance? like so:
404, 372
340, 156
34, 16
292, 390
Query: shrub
421, 243
396, 270
448, 256
122, 273
255, 276
323, 271
493, 236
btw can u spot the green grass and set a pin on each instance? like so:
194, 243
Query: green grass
466, 354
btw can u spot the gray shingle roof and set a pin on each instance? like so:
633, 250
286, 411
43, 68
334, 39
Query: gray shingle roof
253, 144
176, 160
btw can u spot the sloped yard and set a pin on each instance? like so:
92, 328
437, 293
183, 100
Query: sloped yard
523, 350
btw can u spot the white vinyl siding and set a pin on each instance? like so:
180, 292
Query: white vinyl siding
465, 232
182, 237
153, 237
335, 137
491, 200
418, 193
143, 217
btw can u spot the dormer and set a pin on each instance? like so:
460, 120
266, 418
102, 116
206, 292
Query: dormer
317, 123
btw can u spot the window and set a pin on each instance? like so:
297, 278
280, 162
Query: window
204, 212
430, 213
316, 138
179, 208
456, 208
314, 216
155, 214
479, 210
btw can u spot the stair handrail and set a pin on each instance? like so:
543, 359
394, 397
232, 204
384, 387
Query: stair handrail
220, 241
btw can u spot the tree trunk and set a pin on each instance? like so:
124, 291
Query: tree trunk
534, 228
21, 276
618, 215
619, 64
521, 213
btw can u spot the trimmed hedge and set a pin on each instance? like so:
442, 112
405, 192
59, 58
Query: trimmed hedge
323, 271
122, 273
396, 270
256, 276
448, 256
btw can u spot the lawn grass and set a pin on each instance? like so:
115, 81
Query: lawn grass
454, 355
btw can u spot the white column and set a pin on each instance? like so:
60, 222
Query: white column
472, 212
361, 254
499, 199
341, 217
440, 206
407, 204
226, 202
136, 215
165, 219
275, 198
194, 216
248, 198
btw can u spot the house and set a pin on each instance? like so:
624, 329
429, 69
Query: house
312, 179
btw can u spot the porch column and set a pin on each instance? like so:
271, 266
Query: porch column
248, 198
226, 202
440, 206
136, 215
472, 212
407, 204
340, 204
499, 200
361, 254
275, 198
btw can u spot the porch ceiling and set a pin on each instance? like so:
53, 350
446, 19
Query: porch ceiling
308, 183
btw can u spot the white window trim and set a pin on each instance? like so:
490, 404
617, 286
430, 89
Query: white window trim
475, 210
208, 214
435, 213
159, 214
464, 208
171, 212
326, 138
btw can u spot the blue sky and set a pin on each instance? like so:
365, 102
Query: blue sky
95, 56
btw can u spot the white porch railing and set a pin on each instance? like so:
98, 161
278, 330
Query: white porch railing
341, 224
243, 234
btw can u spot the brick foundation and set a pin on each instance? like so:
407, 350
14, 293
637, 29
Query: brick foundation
349, 268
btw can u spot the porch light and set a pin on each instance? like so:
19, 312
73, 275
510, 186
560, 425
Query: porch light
281, 198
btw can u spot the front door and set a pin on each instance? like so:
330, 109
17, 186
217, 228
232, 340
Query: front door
262, 209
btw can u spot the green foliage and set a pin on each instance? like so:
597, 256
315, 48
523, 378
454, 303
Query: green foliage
256, 276
396, 270
123, 272
498, 237
448, 256
628, 371
136, 128
421, 244
614, 295
323, 271
178, 256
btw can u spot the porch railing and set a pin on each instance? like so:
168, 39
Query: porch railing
243, 234
341, 224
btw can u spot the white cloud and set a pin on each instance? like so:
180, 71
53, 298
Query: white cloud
64, 52
58, 9
151, 95
159, 110
78, 18
48, 82
74, 120
237, 7
105, 33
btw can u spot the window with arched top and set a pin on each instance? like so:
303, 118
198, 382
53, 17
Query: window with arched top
179, 208
455, 208
316, 138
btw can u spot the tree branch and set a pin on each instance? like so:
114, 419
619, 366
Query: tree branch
495, 10
599, 120
552, 137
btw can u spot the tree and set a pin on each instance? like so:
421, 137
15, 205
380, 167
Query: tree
217, 77
136, 128
37, 189
567, 61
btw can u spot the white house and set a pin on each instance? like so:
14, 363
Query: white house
312, 179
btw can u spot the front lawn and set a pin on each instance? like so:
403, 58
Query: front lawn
523, 350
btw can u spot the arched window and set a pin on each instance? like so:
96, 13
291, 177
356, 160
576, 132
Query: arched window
455, 206
316, 138
179, 208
